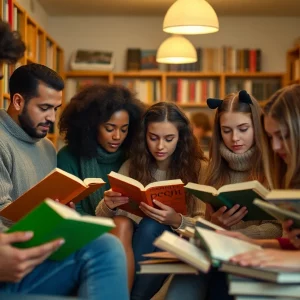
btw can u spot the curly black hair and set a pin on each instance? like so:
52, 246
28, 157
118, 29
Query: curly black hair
95, 105
12, 47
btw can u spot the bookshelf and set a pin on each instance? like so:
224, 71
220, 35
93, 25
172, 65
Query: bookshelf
187, 89
293, 66
40, 48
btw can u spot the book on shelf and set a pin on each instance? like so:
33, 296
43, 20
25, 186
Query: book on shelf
59, 185
148, 60
243, 286
133, 59
261, 273
168, 192
281, 213
228, 195
51, 220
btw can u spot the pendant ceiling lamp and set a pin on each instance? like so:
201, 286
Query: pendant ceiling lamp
191, 17
176, 50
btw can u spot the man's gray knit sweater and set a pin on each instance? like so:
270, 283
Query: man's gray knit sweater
24, 161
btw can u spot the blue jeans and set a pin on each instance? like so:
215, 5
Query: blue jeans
97, 271
146, 286
212, 286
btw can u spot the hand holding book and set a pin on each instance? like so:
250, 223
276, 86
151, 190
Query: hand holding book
225, 217
114, 199
164, 215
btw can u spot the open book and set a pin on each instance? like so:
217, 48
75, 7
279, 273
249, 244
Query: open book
228, 195
169, 192
287, 199
51, 220
281, 213
215, 248
59, 185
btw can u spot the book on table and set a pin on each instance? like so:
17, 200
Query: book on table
51, 220
228, 195
168, 192
59, 185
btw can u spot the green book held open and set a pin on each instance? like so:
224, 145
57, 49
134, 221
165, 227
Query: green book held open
228, 195
52, 220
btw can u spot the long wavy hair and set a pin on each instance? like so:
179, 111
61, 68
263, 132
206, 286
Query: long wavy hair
186, 160
284, 107
217, 173
93, 106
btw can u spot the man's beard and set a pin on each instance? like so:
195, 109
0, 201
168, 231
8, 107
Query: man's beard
28, 126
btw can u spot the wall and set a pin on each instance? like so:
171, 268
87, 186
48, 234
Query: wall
272, 34
36, 11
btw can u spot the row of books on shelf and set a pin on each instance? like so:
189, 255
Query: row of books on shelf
260, 89
145, 89
192, 91
11, 15
224, 59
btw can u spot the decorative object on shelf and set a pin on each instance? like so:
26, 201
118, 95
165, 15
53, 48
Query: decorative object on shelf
191, 17
92, 60
176, 50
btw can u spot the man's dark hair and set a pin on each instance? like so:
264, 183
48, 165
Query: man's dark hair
26, 79
12, 47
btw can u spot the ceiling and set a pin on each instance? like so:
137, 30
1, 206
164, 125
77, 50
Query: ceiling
160, 7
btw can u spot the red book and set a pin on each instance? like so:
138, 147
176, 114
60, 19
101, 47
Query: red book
252, 58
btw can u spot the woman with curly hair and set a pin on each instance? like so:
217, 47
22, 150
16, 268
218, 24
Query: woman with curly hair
165, 149
99, 125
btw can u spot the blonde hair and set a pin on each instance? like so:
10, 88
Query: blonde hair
217, 174
284, 107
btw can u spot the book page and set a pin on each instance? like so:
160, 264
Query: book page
223, 247
249, 185
72, 176
184, 250
126, 179
91, 181
201, 187
164, 183
70, 214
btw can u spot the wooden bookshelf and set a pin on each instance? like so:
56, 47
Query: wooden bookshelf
40, 48
163, 83
293, 66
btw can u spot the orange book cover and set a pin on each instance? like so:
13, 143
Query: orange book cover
59, 185
168, 192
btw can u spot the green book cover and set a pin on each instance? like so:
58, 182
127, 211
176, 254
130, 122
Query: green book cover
51, 220
238, 193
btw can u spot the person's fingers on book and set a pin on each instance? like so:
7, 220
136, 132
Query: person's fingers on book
44, 250
153, 210
72, 205
237, 217
151, 215
15, 237
161, 205
219, 212
231, 211
111, 193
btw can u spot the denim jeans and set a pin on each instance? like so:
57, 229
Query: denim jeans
97, 271
211, 286
146, 286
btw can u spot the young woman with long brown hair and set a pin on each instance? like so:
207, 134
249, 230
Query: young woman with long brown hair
165, 149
